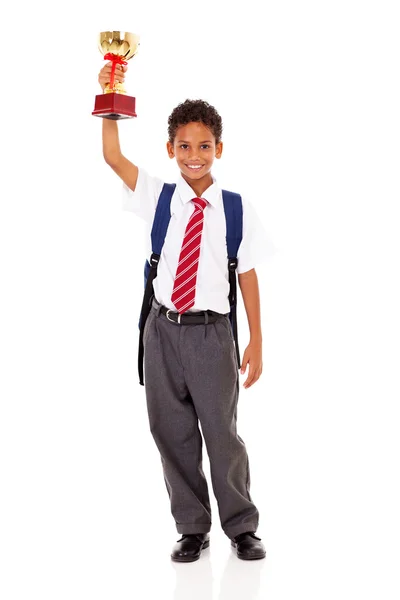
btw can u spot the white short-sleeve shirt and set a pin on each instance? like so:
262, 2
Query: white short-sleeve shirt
212, 286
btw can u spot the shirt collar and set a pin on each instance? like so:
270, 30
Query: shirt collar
211, 194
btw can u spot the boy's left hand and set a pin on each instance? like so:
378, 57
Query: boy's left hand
252, 356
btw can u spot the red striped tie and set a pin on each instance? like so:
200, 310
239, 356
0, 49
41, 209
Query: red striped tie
184, 291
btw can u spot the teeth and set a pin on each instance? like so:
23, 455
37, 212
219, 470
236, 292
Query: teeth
195, 166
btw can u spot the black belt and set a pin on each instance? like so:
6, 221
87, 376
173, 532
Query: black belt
199, 318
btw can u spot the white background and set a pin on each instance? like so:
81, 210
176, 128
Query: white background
309, 95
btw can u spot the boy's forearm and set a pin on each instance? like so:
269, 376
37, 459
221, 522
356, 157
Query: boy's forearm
248, 284
111, 147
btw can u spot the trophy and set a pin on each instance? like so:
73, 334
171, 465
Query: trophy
119, 47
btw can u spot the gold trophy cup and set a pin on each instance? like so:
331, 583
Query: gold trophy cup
119, 47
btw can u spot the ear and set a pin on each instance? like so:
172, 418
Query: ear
170, 150
218, 150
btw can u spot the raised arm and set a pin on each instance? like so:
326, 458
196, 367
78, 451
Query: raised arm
113, 156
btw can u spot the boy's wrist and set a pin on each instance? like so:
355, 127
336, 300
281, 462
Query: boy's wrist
256, 338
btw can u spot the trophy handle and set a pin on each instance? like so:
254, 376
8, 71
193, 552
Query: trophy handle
116, 60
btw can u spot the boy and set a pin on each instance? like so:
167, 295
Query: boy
190, 363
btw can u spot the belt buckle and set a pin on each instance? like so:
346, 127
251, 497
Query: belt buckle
172, 321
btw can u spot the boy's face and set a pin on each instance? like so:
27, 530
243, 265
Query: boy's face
194, 148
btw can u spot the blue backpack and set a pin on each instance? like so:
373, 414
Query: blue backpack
234, 232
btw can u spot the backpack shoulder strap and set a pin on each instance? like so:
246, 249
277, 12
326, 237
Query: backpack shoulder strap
234, 232
161, 218
158, 232
234, 221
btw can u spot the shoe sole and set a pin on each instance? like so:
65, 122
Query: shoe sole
190, 558
248, 557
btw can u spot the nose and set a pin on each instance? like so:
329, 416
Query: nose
193, 154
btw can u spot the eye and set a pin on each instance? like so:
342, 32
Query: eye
206, 146
184, 146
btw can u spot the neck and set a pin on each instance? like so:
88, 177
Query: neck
199, 186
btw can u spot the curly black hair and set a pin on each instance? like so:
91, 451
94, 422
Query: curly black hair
195, 111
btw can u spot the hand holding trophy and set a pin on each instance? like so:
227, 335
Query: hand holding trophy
118, 47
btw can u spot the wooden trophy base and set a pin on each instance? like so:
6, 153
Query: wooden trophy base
114, 106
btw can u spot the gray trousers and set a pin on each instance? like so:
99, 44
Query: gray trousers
191, 377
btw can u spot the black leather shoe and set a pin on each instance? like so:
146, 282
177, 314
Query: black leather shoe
248, 546
189, 547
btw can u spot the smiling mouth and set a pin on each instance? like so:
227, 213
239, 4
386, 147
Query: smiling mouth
195, 167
